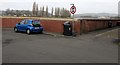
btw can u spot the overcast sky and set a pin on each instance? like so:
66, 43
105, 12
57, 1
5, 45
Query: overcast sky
83, 6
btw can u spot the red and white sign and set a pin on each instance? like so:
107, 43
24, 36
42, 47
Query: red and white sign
73, 10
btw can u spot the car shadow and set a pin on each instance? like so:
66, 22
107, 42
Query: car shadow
30, 34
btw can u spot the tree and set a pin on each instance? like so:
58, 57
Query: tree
68, 13
65, 13
34, 9
52, 11
8, 11
40, 12
47, 11
43, 11
18, 14
57, 12
62, 12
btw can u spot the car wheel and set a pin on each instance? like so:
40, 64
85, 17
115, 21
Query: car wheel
28, 31
15, 29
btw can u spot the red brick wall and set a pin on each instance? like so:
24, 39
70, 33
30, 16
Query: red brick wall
77, 27
57, 25
114, 23
10, 22
49, 25
53, 25
0, 22
91, 25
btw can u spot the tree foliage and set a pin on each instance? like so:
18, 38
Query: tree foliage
34, 9
38, 11
47, 11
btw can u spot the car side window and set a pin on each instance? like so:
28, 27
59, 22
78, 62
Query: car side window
22, 22
25, 22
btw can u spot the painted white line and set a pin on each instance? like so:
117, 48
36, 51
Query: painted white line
105, 32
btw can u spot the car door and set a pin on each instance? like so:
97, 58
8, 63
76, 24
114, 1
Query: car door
21, 26
18, 26
25, 25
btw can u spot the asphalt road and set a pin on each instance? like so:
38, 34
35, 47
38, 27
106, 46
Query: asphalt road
94, 47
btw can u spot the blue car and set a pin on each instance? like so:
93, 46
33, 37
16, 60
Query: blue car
29, 26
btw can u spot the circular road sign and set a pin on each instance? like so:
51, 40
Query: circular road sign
73, 10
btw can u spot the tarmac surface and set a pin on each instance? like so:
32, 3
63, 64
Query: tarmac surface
93, 47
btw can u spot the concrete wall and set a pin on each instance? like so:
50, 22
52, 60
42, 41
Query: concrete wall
56, 26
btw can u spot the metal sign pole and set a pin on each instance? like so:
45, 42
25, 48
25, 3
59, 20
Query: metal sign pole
73, 12
73, 24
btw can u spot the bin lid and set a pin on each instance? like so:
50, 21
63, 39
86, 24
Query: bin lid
67, 23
